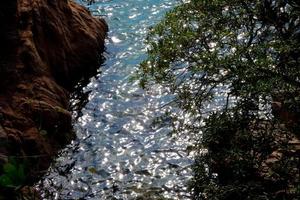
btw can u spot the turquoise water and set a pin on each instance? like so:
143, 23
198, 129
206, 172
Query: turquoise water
123, 150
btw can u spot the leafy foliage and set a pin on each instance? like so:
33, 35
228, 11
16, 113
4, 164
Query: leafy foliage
13, 174
249, 50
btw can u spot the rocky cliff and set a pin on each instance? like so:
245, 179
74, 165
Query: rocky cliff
47, 46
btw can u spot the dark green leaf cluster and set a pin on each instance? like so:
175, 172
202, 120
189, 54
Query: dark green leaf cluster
248, 51
13, 175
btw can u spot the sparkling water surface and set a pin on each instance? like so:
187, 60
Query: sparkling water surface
123, 150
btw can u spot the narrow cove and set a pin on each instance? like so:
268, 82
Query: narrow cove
124, 147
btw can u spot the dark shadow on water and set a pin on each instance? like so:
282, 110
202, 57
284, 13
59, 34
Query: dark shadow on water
79, 97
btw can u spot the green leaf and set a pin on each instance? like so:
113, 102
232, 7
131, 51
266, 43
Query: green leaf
5, 181
10, 169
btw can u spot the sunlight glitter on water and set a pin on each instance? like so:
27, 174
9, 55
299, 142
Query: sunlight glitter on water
122, 150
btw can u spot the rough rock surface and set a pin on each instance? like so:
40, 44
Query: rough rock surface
47, 46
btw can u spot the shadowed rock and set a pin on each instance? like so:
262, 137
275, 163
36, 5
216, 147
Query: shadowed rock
48, 47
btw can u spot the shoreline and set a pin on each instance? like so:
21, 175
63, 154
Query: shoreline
49, 47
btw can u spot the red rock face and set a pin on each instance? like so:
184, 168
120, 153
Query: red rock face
48, 46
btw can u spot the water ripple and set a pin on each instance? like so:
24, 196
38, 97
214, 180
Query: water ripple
121, 153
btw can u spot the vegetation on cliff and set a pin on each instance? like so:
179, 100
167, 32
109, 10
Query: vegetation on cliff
248, 148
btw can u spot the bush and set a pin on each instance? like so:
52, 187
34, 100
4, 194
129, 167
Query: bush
245, 53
